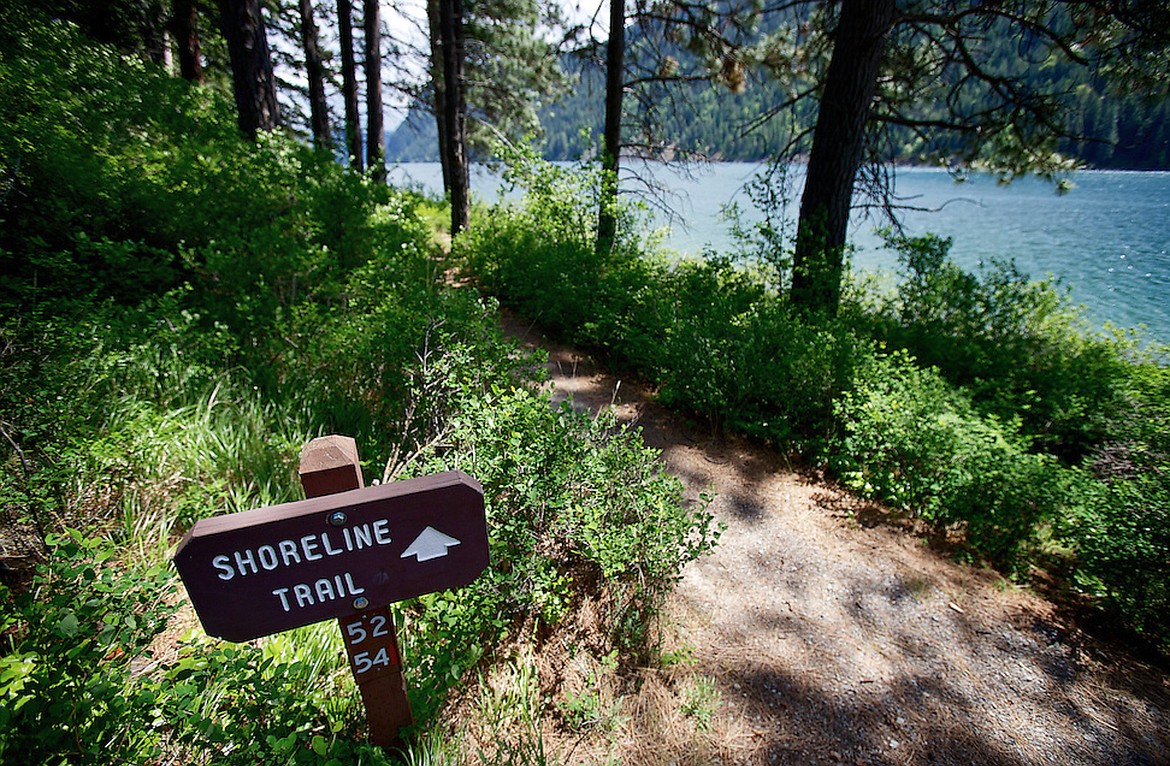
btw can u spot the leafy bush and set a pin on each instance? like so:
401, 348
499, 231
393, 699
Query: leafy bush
913, 440
70, 645
292, 272
1020, 355
1123, 544
227, 704
378, 365
1122, 533
271, 296
122, 181
576, 507
540, 255
731, 350
713, 336
130, 423
80, 211
1015, 345
81, 684
997, 390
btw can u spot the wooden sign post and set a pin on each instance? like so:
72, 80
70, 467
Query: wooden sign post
345, 552
329, 465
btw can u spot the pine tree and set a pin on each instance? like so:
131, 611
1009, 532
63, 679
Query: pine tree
253, 81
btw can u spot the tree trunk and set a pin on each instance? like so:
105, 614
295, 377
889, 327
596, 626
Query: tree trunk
315, 70
455, 112
440, 91
252, 78
349, 87
154, 33
611, 156
375, 135
185, 28
836, 155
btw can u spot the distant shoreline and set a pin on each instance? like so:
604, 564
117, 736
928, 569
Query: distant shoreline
897, 164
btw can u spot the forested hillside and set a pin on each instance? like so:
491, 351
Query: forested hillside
1120, 130
711, 118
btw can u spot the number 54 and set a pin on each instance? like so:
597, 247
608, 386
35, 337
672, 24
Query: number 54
363, 662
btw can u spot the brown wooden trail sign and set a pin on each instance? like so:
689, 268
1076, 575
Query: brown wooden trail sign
344, 555
263, 571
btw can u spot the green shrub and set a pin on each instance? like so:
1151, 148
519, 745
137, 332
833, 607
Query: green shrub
186, 310
540, 255
1021, 356
735, 352
1121, 536
1017, 346
765, 243
80, 685
81, 209
122, 181
714, 337
913, 440
1000, 385
70, 646
1122, 539
131, 424
233, 704
368, 365
576, 507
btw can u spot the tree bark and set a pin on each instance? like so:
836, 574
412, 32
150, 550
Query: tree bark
185, 28
349, 87
439, 106
252, 78
375, 135
315, 70
455, 111
836, 154
154, 33
611, 155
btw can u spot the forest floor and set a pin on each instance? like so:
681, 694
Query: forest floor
827, 630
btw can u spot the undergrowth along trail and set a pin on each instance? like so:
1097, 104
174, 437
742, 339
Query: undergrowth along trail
828, 632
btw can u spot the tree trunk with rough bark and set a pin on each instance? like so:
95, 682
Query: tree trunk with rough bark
375, 135
451, 42
185, 28
349, 86
439, 104
315, 71
252, 78
837, 150
611, 156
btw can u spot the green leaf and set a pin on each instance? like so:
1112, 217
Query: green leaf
68, 625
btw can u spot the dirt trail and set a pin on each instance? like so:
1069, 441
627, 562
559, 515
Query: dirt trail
834, 636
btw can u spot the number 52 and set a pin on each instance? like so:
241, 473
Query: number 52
356, 631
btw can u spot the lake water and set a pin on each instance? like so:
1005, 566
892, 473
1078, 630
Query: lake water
1107, 240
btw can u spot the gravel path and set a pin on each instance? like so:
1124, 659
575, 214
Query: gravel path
833, 635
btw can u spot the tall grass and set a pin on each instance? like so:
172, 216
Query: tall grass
182, 310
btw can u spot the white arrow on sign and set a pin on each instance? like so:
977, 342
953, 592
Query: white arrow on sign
430, 544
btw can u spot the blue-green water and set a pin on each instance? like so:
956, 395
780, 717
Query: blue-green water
1107, 240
